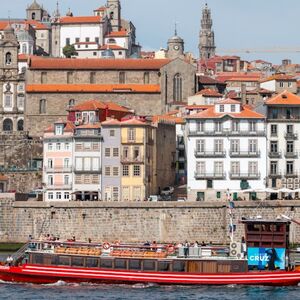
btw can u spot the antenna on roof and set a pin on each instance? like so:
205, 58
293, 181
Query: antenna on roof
8, 12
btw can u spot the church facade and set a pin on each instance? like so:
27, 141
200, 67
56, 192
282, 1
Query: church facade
12, 85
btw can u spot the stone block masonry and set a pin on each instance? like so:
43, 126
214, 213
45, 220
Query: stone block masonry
137, 222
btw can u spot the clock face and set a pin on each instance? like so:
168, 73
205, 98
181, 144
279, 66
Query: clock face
176, 47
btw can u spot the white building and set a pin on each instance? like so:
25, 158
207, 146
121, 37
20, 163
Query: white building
283, 116
226, 149
205, 97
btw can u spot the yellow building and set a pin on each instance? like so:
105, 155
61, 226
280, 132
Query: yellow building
140, 171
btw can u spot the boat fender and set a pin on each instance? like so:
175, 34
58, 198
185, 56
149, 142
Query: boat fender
170, 249
106, 246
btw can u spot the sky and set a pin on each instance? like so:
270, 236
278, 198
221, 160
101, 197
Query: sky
238, 24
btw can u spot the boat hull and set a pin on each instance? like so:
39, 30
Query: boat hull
42, 274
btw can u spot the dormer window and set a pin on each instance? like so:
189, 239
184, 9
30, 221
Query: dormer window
233, 108
59, 129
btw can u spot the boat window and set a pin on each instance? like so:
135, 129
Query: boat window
134, 264
37, 259
92, 262
149, 265
163, 266
179, 266
120, 263
77, 261
64, 260
54, 260
106, 263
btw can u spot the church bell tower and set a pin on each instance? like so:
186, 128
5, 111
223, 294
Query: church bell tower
114, 14
207, 48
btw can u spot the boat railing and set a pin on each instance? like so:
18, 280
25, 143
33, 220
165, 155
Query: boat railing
20, 252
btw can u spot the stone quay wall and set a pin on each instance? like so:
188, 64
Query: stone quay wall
134, 222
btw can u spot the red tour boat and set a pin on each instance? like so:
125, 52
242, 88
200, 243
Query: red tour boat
268, 261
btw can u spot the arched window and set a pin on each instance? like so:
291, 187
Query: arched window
146, 78
8, 58
20, 125
24, 49
43, 106
33, 16
177, 88
71, 102
7, 125
111, 41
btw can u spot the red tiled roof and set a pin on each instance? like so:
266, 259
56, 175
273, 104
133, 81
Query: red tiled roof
45, 63
111, 122
174, 119
80, 20
112, 47
93, 88
35, 24
192, 107
89, 126
211, 114
120, 33
208, 80
255, 79
69, 126
224, 76
133, 122
23, 57
228, 101
93, 105
209, 93
280, 77
284, 98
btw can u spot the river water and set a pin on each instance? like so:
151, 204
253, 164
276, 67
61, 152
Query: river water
61, 290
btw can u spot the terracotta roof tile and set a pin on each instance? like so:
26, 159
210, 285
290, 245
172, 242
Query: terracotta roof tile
101, 8
47, 63
133, 121
209, 93
280, 77
112, 47
111, 122
120, 33
284, 98
208, 80
93, 88
211, 114
69, 126
255, 79
89, 126
173, 119
192, 107
93, 105
80, 20
228, 101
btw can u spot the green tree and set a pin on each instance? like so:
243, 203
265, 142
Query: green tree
69, 51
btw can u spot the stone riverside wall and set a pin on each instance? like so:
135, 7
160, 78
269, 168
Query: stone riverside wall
166, 222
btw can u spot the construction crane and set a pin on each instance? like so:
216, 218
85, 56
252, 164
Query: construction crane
262, 50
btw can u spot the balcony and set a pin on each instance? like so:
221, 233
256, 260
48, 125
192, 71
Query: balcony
180, 146
88, 133
59, 186
291, 154
293, 174
200, 154
132, 160
247, 133
139, 141
291, 136
275, 174
85, 171
59, 169
273, 154
204, 175
244, 176
245, 154
205, 133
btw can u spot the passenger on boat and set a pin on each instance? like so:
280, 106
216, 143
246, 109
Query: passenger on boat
186, 249
154, 246
244, 247
203, 244
89, 240
196, 244
9, 260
